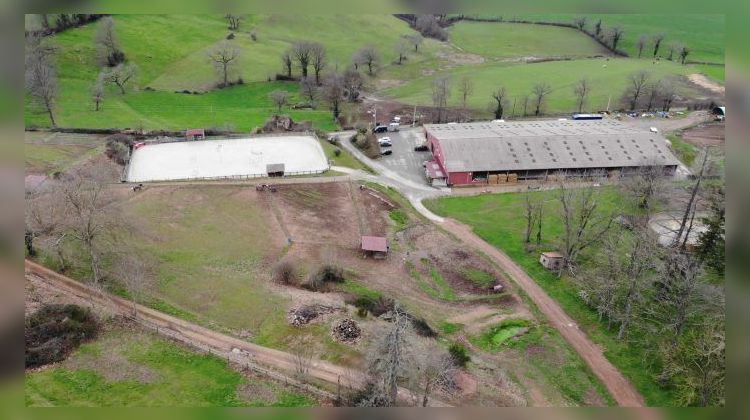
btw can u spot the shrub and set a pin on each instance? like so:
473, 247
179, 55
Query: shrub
285, 273
376, 306
54, 331
327, 273
231, 35
253, 36
115, 57
118, 148
337, 152
459, 354
422, 328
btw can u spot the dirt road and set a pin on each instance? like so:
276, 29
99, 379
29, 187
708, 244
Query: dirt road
618, 386
283, 365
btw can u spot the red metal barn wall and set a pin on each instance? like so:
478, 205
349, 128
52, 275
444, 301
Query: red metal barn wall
454, 178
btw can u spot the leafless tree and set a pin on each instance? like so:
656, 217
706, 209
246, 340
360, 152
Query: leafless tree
684, 51
45, 219
389, 357
598, 28
615, 35
540, 92
302, 52
668, 94
317, 59
691, 205
652, 95
308, 89
279, 98
353, 84
580, 22
584, 223
107, 44
465, 89
41, 74
402, 49
672, 47
302, 351
97, 90
500, 97
525, 101
333, 92
582, 90
658, 38
135, 274
646, 188
233, 21
636, 87
428, 25
433, 369
369, 56
286, 61
532, 207
121, 75
415, 40
641, 44
224, 57
441, 91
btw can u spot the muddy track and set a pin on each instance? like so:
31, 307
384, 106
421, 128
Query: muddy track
277, 364
622, 391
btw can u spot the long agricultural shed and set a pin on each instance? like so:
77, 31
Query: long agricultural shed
473, 153
227, 159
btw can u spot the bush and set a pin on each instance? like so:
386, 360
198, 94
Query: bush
459, 354
422, 328
231, 35
337, 152
115, 57
376, 306
285, 273
284, 78
253, 36
54, 331
118, 148
327, 273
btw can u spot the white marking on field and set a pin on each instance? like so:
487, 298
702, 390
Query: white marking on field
226, 158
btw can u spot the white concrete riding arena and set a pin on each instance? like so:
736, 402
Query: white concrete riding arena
227, 158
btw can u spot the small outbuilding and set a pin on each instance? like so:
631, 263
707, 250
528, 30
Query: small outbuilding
551, 260
275, 169
375, 246
195, 134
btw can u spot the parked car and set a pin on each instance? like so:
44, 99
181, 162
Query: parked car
393, 126
421, 148
380, 129
386, 152
385, 142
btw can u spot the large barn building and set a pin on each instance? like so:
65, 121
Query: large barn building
485, 152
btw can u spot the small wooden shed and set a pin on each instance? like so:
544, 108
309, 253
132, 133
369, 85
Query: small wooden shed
375, 246
551, 260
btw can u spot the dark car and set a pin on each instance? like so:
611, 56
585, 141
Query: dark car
421, 148
381, 129
386, 152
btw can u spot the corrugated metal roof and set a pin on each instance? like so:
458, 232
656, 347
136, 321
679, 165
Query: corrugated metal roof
556, 145
374, 243
275, 167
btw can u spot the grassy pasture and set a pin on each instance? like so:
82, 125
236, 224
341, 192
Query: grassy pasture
499, 220
511, 40
608, 79
127, 367
51, 152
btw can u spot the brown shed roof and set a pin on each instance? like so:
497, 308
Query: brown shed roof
374, 243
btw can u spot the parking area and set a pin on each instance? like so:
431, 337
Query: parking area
404, 160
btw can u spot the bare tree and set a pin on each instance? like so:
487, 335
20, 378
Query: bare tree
233, 21
500, 98
302, 350
532, 210
684, 51
582, 90
135, 274
97, 90
402, 49
433, 369
658, 38
525, 101
641, 44
279, 98
353, 84
302, 52
107, 44
672, 47
41, 74
369, 56
598, 28
45, 217
121, 75
441, 91
637, 86
465, 89
668, 94
224, 57
309, 90
333, 92
286, 61
388, 359
428, 25
415, 40
317, 59
540, 92
580, 22
615, 35
691, 203
652, 95
583, 222
646, 188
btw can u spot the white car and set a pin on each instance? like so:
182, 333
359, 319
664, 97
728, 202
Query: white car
385, 142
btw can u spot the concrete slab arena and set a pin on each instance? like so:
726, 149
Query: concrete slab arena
225, 158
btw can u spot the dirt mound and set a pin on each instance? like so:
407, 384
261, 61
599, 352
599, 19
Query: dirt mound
303, 315
281, 123
705, 83
346, 331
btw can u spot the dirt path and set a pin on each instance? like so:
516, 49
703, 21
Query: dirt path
618, 386
282, 365
705, 83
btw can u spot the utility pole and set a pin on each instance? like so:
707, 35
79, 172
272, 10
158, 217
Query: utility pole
414, 117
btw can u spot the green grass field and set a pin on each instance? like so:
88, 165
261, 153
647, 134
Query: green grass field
608, 79
499, 220
130, 368
509, 40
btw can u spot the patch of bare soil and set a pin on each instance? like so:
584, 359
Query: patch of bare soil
388, 83
705, 83
461, 59
111, 364
711, 134
256, 392
376, 208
